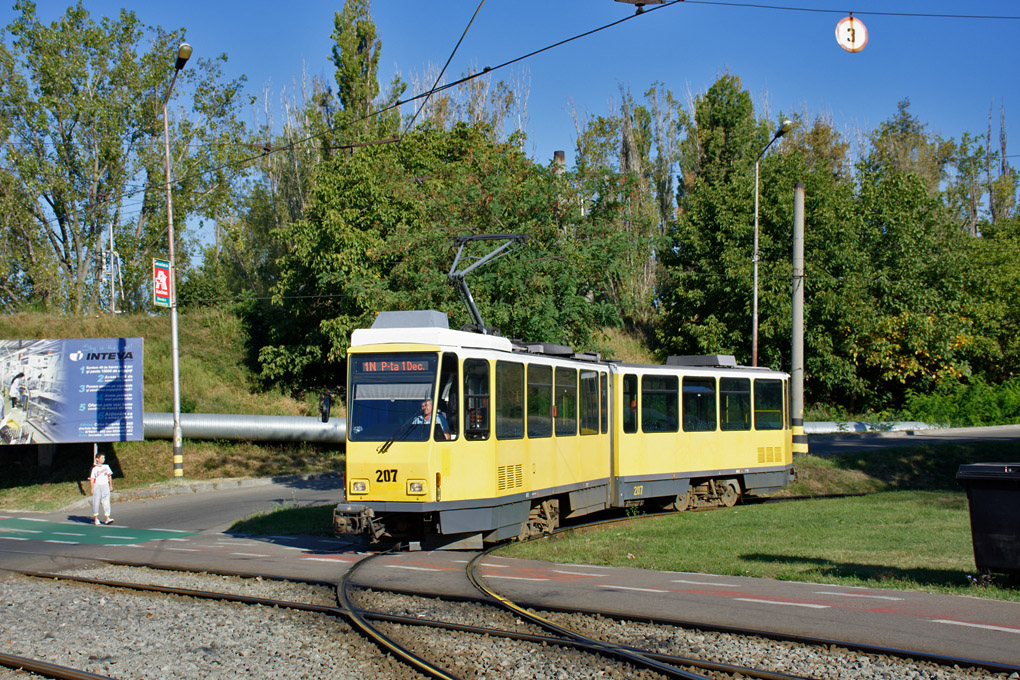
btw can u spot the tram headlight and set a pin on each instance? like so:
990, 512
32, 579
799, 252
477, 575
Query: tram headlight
415, 487
359, 486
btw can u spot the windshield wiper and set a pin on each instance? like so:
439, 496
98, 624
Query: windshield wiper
404, 430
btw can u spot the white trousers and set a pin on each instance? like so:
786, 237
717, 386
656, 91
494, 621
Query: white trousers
101, 495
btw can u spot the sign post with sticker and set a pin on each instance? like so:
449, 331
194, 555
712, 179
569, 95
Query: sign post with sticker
161, 283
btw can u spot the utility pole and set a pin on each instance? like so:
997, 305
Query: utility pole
800, 441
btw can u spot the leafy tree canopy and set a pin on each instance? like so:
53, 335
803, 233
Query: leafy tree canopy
377, 236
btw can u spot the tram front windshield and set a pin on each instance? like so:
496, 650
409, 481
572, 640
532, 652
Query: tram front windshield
386, 396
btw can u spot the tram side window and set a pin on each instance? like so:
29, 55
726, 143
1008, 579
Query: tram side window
476, 399
735, 408
447, 402
768, 404
509, 400
699, 404
630, 403
788, 404
589, 402
565, 410
540, 401
604, 402
659, 403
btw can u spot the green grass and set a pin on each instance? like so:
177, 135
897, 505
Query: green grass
284, 520
911, 540
912, 532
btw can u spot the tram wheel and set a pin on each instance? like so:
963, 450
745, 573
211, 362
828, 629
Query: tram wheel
730, 493
682, 502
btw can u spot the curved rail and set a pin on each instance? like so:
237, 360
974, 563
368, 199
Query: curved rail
380, 638
608, 649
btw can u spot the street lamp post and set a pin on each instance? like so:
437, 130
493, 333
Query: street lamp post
783, 129
183, 53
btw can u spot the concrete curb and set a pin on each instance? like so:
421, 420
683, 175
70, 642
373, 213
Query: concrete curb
200, 486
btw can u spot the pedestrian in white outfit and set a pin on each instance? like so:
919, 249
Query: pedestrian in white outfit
17, 386
101, 484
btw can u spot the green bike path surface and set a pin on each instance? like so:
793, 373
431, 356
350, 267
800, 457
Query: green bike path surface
81, 532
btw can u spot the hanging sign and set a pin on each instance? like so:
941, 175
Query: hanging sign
851, 34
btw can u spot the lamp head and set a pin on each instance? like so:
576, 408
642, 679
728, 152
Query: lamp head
183, 54
784, 128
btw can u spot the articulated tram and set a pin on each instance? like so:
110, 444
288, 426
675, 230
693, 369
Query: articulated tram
457, 438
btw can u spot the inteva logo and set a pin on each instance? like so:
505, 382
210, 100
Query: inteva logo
99, 356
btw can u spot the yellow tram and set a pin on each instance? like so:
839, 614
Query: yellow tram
457, 438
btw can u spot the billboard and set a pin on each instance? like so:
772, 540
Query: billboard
71, 391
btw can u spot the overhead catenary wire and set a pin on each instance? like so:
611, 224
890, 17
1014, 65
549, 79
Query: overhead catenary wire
443, 70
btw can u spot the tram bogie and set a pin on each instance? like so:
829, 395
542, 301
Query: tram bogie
464, 438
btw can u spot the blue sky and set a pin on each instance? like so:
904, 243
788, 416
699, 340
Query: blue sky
952, 70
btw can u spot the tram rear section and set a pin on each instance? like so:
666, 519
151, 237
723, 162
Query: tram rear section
456, 438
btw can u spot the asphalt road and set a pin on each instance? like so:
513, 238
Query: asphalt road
828, 444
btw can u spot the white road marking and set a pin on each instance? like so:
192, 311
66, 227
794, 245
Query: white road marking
1003, 629
34, 519
641, 590
334, 560
27, 531
401, 566
14, 538
873, 597
516, 578
576, 573
785, 604
185, 549
249, 555
179, 540
64, 542
173, 531
706, 583
125, 538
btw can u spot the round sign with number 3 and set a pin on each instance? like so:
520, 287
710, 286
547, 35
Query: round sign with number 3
851, 34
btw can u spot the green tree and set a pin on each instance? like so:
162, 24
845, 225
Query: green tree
80, 111
356, 56
705, 290
903, 144
377, 236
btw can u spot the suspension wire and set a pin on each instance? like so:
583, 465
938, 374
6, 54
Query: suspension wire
443, 71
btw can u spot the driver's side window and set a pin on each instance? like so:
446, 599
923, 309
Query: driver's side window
447, 401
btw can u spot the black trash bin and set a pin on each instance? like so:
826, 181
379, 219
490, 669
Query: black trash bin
993, 493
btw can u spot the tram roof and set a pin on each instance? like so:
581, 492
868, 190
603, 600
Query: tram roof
423, 327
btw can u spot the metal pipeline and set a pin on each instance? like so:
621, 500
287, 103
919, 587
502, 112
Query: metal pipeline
246, 427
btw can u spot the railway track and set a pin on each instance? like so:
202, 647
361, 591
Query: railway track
477, 640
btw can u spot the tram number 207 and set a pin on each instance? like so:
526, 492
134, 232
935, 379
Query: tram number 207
385, 475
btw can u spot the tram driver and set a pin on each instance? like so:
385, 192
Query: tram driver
424, 417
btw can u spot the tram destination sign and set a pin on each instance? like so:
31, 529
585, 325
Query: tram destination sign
71, 390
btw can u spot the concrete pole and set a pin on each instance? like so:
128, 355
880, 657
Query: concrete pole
754, 259
800, 442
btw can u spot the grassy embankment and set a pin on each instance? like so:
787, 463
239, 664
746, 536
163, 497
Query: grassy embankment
214, 379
